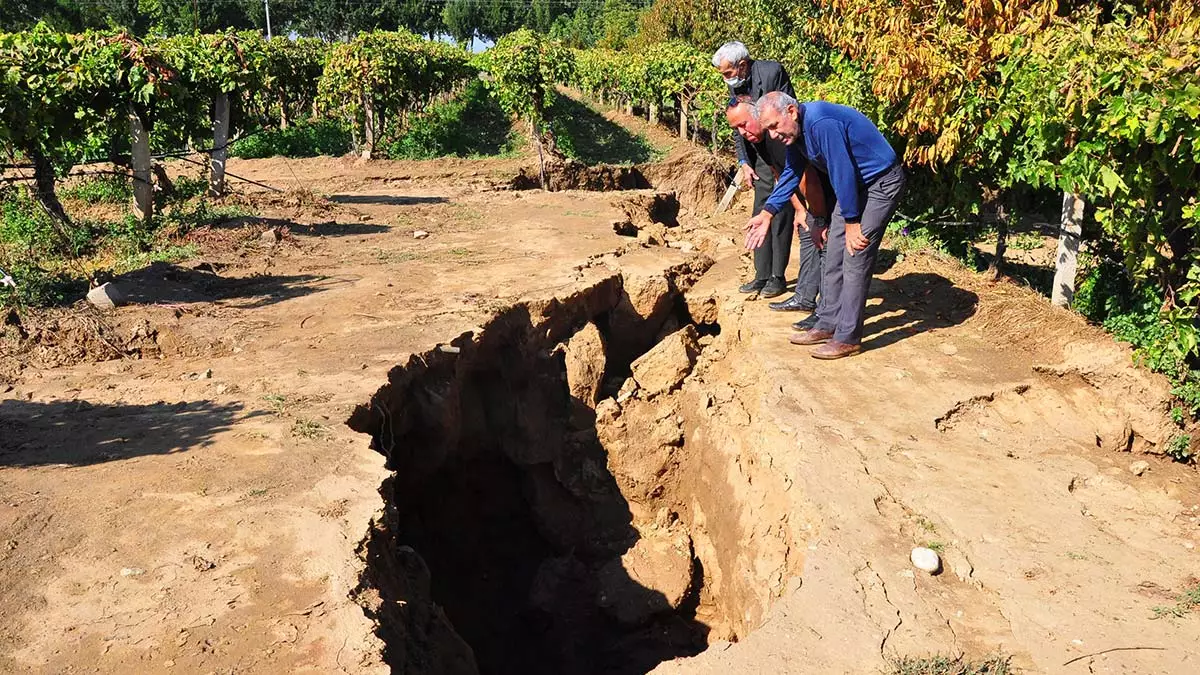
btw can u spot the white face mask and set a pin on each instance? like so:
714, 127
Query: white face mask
735, 82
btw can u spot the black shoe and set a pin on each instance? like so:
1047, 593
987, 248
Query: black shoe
808, 323
775, 287
793, 304
753, 286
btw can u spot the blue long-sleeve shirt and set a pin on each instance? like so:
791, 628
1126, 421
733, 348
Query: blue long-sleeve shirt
845, 145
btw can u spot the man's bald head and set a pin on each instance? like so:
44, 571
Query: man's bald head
739, 112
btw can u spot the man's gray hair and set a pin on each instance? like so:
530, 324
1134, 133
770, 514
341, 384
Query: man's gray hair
731, 52
776, 100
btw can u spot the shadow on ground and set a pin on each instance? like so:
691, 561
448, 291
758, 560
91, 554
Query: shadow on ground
386, 200
79, 433
330, 228
914, 303
164, 283
586, 135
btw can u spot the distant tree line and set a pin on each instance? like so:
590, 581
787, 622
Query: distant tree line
578, 23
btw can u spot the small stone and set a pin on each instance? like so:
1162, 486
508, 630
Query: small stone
926, 559
105, 296
687, 246
949, 349
132, 572
270, 237
222, 388
1139, 467
168, 664
206, 375
364, 217
420, 234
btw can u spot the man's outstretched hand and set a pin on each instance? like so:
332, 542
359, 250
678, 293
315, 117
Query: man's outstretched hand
756, 229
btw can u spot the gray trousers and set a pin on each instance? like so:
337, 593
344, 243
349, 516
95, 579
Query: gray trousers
847, 278
771, 259
812, 259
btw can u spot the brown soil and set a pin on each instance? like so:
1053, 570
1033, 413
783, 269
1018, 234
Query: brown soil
528, 444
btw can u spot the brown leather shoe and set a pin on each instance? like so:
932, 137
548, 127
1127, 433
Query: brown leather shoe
835, 350
811, 337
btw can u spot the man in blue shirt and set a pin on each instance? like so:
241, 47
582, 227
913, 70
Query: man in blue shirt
868, 182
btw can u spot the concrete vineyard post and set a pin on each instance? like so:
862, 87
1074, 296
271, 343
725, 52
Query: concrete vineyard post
143, 189
683, 118
368, 127
216, 159
1068, 250
652, 114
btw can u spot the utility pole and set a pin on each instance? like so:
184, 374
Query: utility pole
267, 5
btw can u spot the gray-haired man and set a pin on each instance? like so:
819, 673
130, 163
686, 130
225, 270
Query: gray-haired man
753, 78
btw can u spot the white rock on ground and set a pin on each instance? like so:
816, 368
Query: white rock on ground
1139, 467
926, 559
105, 296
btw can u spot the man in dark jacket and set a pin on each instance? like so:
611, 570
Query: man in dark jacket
753, 78
867, 181
807, 213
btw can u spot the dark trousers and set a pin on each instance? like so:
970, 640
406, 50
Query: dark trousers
771, 259
808, 281
847, 278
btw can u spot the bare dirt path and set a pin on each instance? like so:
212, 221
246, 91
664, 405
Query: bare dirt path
205, 508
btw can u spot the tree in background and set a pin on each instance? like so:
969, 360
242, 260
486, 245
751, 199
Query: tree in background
610, 24
17, 15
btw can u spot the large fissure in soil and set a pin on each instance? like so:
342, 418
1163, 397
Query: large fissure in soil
511, 541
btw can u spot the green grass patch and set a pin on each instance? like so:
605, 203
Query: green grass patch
585, 135
304, 139
470, 125
1179, 448
51, 262
100, 190
949, 665
1185, 603
309, 429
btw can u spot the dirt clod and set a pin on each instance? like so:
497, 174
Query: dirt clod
665, 366
652, 577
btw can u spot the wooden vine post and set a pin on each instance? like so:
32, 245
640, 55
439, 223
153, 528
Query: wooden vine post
143, 189
216, 162
683, 118
1068, 250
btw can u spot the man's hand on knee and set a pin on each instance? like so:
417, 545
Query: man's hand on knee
855, 240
